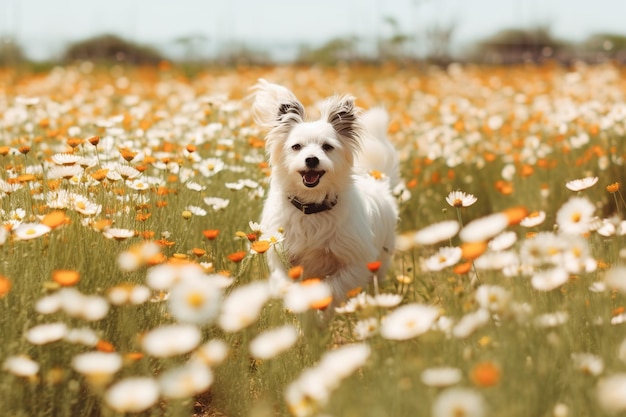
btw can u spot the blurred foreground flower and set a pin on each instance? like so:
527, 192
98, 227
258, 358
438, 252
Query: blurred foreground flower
484, 228
171, 340
195, 300
185, 381
273, 342
311, 390
408, 321
97, 367
441, 377
243, 306
21, 365
132, 395
611, 393
453, 402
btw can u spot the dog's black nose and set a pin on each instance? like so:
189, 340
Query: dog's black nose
312, 162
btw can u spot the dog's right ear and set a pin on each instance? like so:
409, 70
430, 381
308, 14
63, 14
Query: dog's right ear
275, 107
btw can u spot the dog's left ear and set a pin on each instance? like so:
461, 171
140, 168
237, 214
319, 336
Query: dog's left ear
342, 114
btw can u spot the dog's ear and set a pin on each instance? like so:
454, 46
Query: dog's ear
275, 106
342, 114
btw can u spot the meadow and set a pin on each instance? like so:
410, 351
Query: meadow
133, 279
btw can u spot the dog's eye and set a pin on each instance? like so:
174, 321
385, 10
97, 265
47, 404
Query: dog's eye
296, 147
327, 148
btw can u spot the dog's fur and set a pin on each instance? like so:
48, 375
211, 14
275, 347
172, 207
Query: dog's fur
327, 162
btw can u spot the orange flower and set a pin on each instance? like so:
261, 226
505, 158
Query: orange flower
133, 356
516, 214
128, 154
55, 219
236, 257
65, 277
191, 148
5, 286
94, 140
374, 266
472, 250
74, 142
100, 174
4, 150
617, 311
142, 217
613, 188
354, 292
485, 374
527, 170
24, 149
210, 233
260, 246
462, 268
104, 346
198, 252
295, 272
26, 178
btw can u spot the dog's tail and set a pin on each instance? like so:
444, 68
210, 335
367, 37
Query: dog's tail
377, 153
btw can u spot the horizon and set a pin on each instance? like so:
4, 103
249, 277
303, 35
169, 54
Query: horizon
44, 30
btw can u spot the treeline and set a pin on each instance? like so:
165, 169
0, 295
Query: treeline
507, 47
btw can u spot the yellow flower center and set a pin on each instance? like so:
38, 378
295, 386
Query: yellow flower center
195, 300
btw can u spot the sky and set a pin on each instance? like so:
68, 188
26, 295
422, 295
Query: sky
44, 27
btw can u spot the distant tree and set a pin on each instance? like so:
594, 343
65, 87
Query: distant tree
602, 46
191, 45
438, 41
393, 47
111, 48
239, 54
331, 52
512, 46
10, 52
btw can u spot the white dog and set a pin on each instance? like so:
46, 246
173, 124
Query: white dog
330, 188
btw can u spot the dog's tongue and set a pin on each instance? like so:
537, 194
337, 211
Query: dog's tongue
311, 177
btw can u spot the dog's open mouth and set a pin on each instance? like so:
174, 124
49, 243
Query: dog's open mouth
311, 177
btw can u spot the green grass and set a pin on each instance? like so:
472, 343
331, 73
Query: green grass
536, 369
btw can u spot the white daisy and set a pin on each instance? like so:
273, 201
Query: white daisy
575, 216
611, 393
185, 381
460, 199
441, 377
171, 340
97, 367
446, 256
132, 395
273, 342
484, 228
21, 366
243, 305
453, 402
549, 280
437, 232
194, 300
581, 184
46, 333
27, 231
469, 323
533, 219
408, 321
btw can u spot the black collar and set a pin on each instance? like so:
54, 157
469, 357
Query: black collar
312, 208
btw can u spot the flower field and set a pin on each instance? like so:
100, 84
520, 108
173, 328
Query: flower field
133, 278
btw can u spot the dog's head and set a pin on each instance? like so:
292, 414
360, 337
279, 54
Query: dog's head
311, 159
